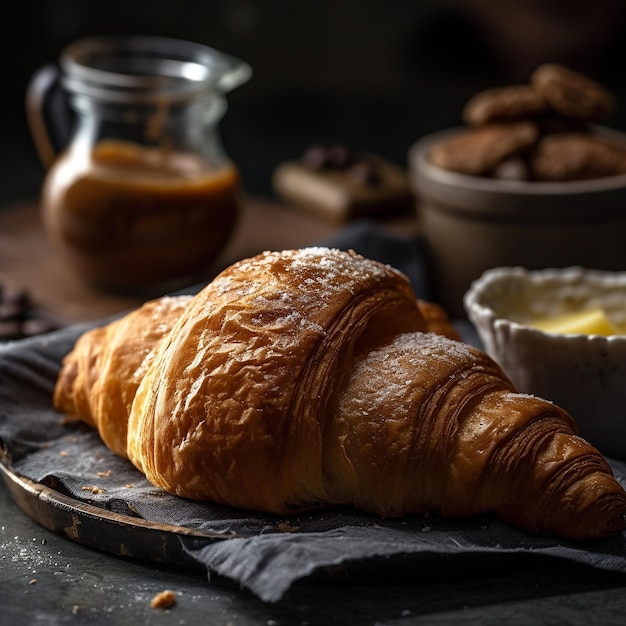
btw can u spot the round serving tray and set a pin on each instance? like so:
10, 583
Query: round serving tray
99, 528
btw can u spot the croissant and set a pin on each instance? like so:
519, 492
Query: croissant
99, 379
310, 378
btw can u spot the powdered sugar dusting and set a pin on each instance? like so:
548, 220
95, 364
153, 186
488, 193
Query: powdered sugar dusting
168, 308
289, 288
290, 319
415, 359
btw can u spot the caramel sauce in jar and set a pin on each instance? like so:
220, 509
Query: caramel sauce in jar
130, 216
139, 195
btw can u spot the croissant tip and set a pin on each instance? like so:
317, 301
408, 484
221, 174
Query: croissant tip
616, 525
609, 527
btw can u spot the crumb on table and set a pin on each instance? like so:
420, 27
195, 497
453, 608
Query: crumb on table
163, 600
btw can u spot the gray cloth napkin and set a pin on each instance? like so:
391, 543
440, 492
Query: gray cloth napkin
264, 554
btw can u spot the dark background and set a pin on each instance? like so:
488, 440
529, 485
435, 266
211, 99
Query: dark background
374, 74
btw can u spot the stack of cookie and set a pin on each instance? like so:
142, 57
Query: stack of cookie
544, 130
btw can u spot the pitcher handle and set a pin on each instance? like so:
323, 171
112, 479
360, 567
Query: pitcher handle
47, 114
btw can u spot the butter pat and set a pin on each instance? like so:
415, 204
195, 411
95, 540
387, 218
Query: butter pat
589, 322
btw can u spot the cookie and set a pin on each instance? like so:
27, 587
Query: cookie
551, 124
478, 151
504, 104
575, 156
514, 168
571, 94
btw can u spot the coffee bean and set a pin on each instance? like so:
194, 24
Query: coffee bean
10, 329
37, 326
364, 173
339, 157
19, 318
316, 157
10, 311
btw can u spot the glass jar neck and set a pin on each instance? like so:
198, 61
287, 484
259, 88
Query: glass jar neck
151, 91
200, 112
189, 128
139, 71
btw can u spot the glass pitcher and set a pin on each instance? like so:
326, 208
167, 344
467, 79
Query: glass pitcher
142, 197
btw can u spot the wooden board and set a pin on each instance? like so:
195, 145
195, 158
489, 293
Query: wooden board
28, 259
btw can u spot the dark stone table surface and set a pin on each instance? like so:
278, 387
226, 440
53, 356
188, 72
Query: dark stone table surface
48, 579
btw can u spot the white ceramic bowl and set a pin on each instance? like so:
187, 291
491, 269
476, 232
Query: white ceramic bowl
472, 224
584, 374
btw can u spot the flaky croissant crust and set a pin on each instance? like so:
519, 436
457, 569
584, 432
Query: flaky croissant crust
251, 367
98, 381
305, 378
